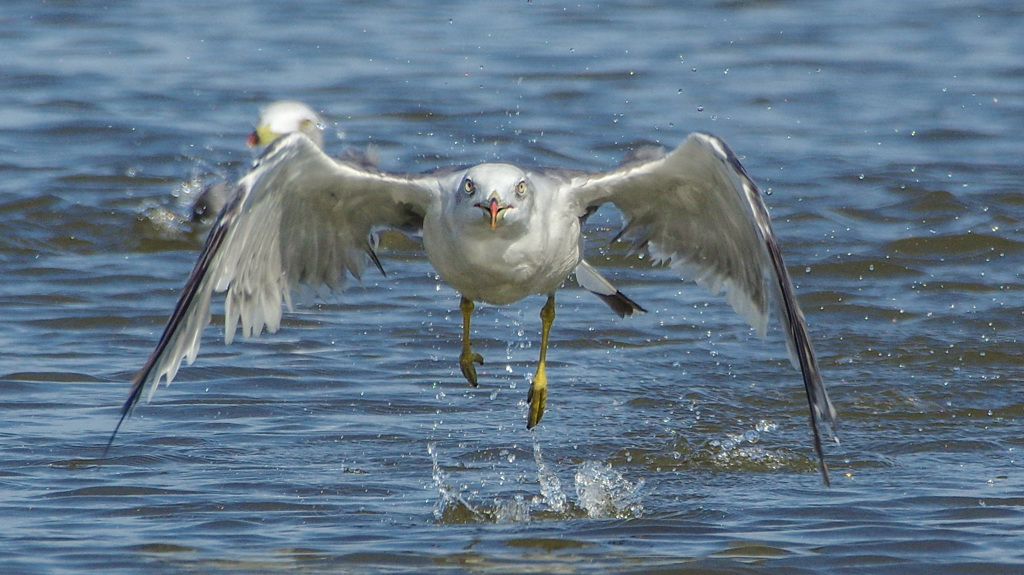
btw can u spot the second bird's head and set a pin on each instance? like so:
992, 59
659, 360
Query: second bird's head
283, 117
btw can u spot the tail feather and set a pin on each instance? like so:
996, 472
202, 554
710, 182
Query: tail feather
593, 282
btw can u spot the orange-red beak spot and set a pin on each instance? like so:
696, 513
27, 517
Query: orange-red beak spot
494, 213
253, 139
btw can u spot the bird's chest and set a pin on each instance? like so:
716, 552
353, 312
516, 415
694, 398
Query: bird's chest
502, 266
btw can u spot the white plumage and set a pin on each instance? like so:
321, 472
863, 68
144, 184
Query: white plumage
494, 232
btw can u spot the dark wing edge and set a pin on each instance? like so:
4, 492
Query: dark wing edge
394, 200
184, 312
790, 314
710, 156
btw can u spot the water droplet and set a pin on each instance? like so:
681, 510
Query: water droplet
603, 492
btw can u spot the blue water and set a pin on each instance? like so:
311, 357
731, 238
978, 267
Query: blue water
888, 137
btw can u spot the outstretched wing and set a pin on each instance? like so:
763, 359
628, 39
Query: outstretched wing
696, 209
298, 216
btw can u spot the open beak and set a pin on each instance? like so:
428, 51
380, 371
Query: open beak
494, 209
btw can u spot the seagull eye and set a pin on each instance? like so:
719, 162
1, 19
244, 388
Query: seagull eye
469, 186
521, 189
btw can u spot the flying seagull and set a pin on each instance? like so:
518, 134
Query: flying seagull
496, 233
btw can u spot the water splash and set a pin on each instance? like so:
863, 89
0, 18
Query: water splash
603, 492
740, 451
550, 487
163, 222
187, 191
515, 510
451, 506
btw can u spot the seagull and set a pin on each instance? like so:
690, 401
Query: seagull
496, 233
279, 118
284, 117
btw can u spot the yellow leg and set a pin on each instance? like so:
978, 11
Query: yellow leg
538, 395
467, 358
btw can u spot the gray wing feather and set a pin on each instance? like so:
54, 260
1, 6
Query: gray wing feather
297, 217
697, 209
687, 208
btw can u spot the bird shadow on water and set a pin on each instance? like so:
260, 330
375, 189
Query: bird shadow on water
600, 493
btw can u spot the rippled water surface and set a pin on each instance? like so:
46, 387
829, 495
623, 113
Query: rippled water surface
888, 137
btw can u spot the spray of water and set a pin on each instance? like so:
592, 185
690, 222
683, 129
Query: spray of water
550, 487
601, 492
450, 502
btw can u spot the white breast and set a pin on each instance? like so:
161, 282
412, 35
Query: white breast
503, 265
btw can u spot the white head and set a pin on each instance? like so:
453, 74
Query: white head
284, 117
495, 197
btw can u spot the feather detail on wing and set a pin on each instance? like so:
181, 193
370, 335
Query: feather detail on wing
297, 217
684, 209
696, 209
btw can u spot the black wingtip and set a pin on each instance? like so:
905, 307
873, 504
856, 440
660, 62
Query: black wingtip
818, 403
376, 260
192, 286
822, 466
106, 449
621, 304
129, 405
